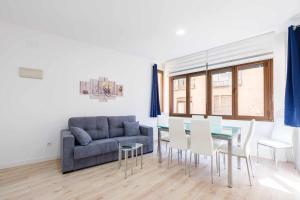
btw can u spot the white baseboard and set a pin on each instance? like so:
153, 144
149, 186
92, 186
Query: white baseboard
26, 162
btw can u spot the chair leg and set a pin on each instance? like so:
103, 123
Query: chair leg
293, 157
250, 161
257, 153
178, 155
190, 164
217, 162
185, 161
275, 158
248, 171
212, 168
195, 159
224, 161
166, 146
272, 153
169, 155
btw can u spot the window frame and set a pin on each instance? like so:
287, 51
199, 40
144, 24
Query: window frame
162, 90
268, 92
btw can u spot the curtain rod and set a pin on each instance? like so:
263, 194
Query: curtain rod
224, 62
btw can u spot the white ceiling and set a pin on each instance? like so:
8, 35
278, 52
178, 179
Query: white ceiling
147, 27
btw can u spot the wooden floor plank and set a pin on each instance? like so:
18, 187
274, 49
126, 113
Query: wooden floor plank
155, 181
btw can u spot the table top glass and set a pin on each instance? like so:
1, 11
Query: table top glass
130, 146
225, 132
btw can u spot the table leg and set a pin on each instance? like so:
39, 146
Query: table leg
120, 157
136, 156
142, 157
159, 146
132, 160
125, 168
238, 158
230, 163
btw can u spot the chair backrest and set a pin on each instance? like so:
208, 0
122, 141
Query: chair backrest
215, 123
282, 133
163, 120
177, 133
201, 139
197, 116
246, 146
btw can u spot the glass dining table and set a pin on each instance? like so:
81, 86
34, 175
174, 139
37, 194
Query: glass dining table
227, 133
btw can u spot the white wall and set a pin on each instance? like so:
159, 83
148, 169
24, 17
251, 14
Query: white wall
32, 112
263, 129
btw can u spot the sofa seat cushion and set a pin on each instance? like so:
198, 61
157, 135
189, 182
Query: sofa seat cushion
116, 125
96, 127
133, 139
96, 147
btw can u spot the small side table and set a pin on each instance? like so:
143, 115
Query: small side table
133, 149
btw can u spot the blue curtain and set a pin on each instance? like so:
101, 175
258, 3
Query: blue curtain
292, 91
155, 107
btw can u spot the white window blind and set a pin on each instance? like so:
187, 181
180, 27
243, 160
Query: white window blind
248, 50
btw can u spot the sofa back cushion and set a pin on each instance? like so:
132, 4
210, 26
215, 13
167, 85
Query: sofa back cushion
116, 125
81, 136
96, 127
132, 128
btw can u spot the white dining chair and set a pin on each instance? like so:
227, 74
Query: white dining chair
178, 138
202, 142
197, 116
215, 123
197, 159
242, 151
281, 139
163, 120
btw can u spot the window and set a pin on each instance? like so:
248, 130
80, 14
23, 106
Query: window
251, 90
160, 77
179, 95
222, 92
198, 94
237, 92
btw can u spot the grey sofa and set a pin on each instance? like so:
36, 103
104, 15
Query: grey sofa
107, 133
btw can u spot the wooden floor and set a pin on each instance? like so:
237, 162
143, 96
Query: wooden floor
45, 181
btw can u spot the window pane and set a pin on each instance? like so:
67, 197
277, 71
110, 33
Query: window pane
179, 95
251, 90
198, 94
160, 89
222, 92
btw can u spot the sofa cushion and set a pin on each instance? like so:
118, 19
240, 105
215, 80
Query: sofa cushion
96, 127
96, 147
132, 128
133, 139
116, 126
82, 137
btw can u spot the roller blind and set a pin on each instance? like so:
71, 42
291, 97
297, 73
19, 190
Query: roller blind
244, 51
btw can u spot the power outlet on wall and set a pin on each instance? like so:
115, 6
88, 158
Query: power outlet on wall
49, 144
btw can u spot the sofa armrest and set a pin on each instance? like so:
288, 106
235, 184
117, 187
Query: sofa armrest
146, 130
67, 144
